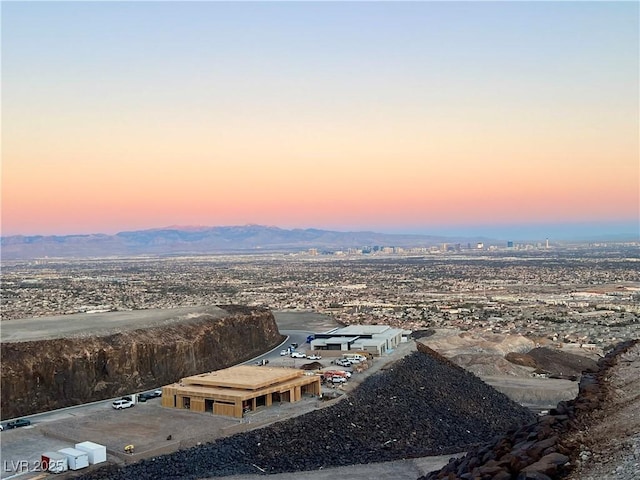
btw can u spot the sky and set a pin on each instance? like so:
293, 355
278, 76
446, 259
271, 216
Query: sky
412, 117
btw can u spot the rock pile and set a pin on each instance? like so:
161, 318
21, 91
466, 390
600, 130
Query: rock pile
561, 363
555, 362
422, 405
311, 366
540, 450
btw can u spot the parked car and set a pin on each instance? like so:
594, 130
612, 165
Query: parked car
21, 422
338, 379
298, 355
264, 361
343, 363
284, 352
314, 357
122, 403
149, 395
329, 374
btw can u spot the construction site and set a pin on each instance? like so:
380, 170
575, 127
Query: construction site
241, 389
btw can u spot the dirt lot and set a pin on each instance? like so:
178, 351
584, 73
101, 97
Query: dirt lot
399, 470
103, 323
295, 320
147, 426
534, 392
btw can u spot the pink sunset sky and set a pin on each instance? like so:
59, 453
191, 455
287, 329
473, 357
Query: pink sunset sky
121, 116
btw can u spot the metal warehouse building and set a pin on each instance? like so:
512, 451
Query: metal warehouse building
376, 339
234, 390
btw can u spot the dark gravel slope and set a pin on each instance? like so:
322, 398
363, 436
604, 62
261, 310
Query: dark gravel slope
423, 405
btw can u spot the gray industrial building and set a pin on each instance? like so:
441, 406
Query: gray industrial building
375, 339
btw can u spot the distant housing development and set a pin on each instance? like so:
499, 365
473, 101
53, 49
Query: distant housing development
375, 339
236, 390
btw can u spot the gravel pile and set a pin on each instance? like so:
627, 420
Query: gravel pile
423, 405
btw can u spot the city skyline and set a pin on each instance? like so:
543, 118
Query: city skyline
406, 117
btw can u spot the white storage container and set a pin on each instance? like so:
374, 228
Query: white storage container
54, 462
97, 453
77, 459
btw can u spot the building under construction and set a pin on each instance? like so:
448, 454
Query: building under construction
236, 390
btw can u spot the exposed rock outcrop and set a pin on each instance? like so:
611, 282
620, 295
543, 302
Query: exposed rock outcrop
48, 374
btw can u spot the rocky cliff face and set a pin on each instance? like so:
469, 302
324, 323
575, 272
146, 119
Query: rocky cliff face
48, 374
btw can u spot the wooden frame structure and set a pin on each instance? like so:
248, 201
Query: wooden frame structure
236, 390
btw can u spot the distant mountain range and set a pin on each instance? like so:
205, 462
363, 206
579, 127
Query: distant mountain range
202, 240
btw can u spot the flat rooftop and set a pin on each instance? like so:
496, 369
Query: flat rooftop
336, 339
244, 377
232, 394
362, 329
99, 324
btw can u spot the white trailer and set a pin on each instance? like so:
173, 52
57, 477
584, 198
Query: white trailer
97, 453
54, 462
77, 458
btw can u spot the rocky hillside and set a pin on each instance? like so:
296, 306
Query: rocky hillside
48, 374
606, 442
421, 405
562, 443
